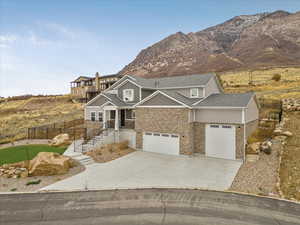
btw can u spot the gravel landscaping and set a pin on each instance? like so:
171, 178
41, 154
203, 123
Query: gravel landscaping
19, 184
259, 177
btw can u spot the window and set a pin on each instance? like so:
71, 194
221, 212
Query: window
93, 116
194, 92
133, 114
112, 114
128, 95
214, 126
100, 116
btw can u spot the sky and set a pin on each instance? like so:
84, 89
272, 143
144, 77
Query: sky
46, 44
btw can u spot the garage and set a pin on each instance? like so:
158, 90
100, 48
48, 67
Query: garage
220, 141
161, 143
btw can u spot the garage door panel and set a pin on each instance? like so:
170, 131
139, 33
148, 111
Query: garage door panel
220, 141
161, 143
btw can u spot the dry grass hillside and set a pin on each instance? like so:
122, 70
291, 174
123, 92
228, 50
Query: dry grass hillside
16, 116
272, 83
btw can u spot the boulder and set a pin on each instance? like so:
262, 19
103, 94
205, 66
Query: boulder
287, 133
266, 147
277, 132
60, 140
49, 163
254, 147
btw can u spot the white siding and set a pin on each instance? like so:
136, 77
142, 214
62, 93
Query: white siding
218, 115
251, 112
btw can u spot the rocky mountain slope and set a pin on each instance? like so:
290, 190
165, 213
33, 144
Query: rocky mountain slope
243, 42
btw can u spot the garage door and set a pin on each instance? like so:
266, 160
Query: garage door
161, 143
220, 141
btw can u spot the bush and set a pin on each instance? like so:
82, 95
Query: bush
33, 182
276, 77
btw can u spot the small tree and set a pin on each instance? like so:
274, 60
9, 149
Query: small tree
276, 77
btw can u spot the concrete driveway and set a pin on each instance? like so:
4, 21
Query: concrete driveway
145, 170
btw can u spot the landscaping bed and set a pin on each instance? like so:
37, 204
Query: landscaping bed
290, 163
110, 152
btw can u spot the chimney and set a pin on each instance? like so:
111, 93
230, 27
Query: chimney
97, 81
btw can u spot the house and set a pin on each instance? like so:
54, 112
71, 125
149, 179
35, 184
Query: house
85, 88
176, 115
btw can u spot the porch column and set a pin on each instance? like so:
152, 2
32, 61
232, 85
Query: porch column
117, 120
104, 119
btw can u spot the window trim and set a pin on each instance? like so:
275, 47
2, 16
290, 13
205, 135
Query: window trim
100, 117
191, 91
132, 95
92, 116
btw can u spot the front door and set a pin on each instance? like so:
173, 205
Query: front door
122, 117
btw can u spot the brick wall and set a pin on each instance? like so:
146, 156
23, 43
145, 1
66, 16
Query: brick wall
165, 120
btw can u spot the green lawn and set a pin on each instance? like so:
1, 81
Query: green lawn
19, 153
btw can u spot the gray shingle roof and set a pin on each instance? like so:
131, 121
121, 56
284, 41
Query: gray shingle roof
173, 81
115, 100
226, 100
180, 97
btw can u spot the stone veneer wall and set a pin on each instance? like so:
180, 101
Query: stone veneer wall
165, 120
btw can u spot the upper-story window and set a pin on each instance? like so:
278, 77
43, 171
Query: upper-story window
93, 116
128, 95
194, 92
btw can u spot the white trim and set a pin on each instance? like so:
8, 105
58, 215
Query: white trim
131, 99
94, 99
161, 106
125, 81
244, 143
107, 103
203, 92
218, 107
180, 87
159, 92
116, 83
140, 94
196, 96
200, 100
91, 116
243, 115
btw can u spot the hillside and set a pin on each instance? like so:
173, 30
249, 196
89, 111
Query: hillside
243, 42
17, 115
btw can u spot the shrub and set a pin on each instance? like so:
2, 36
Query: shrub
276, 77
33, 182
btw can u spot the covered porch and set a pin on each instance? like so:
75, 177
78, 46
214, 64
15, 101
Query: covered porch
118, 118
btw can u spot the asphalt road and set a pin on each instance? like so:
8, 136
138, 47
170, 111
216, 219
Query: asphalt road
145, 206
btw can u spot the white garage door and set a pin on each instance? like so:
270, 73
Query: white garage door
220, 141
161, 143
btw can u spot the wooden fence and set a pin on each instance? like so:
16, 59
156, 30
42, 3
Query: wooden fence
73, 128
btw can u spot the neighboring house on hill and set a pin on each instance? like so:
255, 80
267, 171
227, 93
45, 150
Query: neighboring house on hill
85, 88
176, 115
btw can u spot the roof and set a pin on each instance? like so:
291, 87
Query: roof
173, 81
82, 78
176, 95
226, 100
115, 100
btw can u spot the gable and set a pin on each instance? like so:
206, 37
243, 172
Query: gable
160, 100
97, 101
129, 85
212, 87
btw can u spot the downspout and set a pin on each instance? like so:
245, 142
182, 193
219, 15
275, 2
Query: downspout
244, 122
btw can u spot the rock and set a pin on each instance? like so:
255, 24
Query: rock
60, 139
277, 132
252, 157
287, 133
266, 147
254, 147
24, 174
49, 163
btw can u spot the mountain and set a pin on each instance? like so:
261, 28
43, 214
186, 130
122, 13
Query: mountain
243, 42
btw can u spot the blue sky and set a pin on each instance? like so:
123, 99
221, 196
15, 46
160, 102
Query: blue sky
46, 44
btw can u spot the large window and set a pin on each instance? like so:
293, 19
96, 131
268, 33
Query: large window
128, 95
100, 116
93, 116
194, 92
